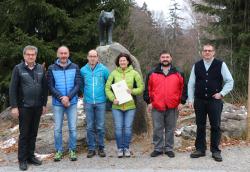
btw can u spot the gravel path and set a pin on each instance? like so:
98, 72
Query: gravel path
235, 159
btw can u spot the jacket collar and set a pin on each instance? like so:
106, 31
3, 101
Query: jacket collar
129, 68
158, 69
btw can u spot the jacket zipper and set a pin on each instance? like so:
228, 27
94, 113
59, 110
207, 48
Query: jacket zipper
123, 106
65, 81
93, 79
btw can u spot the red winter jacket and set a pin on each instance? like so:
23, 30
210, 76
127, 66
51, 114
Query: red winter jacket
164, 91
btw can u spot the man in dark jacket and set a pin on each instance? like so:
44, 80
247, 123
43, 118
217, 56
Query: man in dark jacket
28, 98
164, 93
64, 83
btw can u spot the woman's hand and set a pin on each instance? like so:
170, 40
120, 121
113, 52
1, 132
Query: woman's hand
115, 102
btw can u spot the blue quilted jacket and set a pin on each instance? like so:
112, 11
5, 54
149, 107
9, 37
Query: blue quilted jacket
64, 81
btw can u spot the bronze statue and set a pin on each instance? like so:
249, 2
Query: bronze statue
106, 22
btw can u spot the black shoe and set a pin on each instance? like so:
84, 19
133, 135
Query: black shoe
155, 153
170, 154
101, 153
91, 153
217, 156
23, 165
197, 154
33, 160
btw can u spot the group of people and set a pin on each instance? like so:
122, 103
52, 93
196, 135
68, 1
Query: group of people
164, 91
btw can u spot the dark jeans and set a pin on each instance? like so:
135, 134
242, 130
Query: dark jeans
29, 119
212, 108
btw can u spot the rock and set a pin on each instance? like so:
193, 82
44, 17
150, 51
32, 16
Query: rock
233, 123
108, 55
189, 132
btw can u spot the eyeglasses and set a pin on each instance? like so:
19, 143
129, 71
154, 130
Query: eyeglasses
30, 54
207, 50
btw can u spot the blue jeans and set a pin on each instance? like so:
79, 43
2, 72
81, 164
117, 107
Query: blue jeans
123, 127
72, 118
95, 116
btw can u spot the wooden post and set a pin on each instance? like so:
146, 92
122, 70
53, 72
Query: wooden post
248, 103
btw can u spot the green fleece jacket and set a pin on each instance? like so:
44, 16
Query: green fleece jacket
130, 76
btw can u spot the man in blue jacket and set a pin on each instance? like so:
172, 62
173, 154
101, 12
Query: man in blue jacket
64, 82
94, 76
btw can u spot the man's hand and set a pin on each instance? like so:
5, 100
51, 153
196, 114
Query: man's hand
217, 96
149, 107
191, 105
14, 112
44, 110
179, 107
115, 102
65, 101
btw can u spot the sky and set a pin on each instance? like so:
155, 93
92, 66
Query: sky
157, 5
164, 5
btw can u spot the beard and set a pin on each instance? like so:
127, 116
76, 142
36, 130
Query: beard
165, 64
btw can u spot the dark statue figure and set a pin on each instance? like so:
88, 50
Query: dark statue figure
106, 22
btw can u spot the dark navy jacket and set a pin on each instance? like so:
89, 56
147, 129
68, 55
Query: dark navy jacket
64, 81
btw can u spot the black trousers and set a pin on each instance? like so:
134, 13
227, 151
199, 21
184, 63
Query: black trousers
29, 119
211, 108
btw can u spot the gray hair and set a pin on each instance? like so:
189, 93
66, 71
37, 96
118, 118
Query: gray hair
63, 46
30, 47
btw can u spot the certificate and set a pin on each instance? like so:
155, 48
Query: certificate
120, 90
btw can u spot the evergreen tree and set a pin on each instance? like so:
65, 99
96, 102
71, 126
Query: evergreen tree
231, 27
48, 24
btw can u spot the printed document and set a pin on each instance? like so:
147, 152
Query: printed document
120, 90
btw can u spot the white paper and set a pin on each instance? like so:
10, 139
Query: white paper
120, 90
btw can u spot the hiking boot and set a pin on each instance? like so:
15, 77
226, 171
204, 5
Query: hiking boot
101, 153
58, 156
91, 153
217, 156
72, 155
127, 152
197, 154
155, 153
120, 153
170, 154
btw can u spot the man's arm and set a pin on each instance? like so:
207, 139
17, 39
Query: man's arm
191, 86
13, 90
146, 96
45, 89
51, 85
76, 87
228, 80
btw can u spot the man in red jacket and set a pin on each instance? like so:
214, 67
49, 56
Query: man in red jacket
164, 93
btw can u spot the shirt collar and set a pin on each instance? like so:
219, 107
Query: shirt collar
26, 64
208, 62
